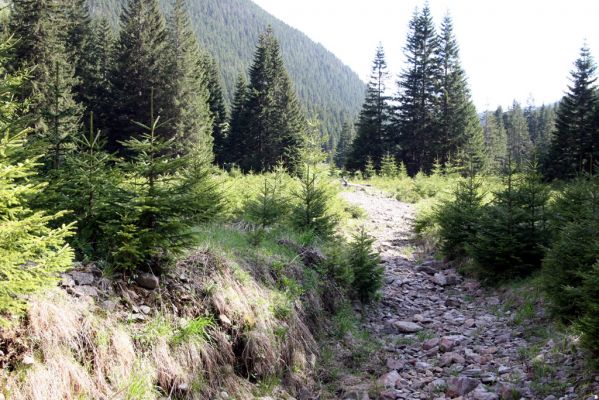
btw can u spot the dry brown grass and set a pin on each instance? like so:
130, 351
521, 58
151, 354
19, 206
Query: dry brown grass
82, 353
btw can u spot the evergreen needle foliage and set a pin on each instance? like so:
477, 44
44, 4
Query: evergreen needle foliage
32, 254
512, 232
458, 219
389, 166
365, 264
312, 210
271, 204
589, 322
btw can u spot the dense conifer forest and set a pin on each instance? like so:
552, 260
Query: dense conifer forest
229, 29
198, 202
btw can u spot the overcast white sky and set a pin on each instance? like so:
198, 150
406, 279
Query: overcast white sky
510, 49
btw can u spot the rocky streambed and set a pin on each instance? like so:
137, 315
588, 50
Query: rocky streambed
443, 336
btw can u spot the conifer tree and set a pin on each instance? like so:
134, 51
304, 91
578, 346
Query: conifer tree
512, 232
365, 264
344, 146
372, 137
369, 170
32, 254
458, 219
312, 210
275, 120
459, 128
236, 140
495, 142
189, 113
544, 130
520, 146
575, 144
416, 121
78, 33
87, 185
216, 104
389, 166
41, 28
141, 65
152, 230
96, 65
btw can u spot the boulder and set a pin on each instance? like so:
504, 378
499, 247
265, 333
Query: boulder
147, 281
505, 391
407, 327
440, 279
389, 379
446, 345
460, 386
82, 278
430, 344
451, 358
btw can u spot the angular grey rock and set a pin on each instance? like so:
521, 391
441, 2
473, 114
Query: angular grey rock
446, 345
145, 309
108, 305
67, 281
440, 279
488, 378
430, 344
460, 386
507, 391
452, 279
389, 379
90, 291
356, 395
426, 269
393, 363
451, 358
407, 327
436, 385
147, 281
481, 393
82, 278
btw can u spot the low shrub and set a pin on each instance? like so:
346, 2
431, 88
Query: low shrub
366, 268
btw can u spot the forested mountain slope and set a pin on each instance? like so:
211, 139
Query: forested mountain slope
229, 29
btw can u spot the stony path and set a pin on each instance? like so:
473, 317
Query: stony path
444, 337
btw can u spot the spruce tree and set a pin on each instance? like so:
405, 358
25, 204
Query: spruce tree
235, 142
495, 142
344, 146
41, 28
512, 233
459, 128
389, 166
141, 66
544, 132
156, 225
216, 104
575, 248
520, 146
458, 219
372, 137
88, 186
32, 254
414, 128
188, 112
574, 147
78, 33
312, 209
96, 65
275, 121
365, 264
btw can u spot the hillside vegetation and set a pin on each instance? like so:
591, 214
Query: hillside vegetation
229, 30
